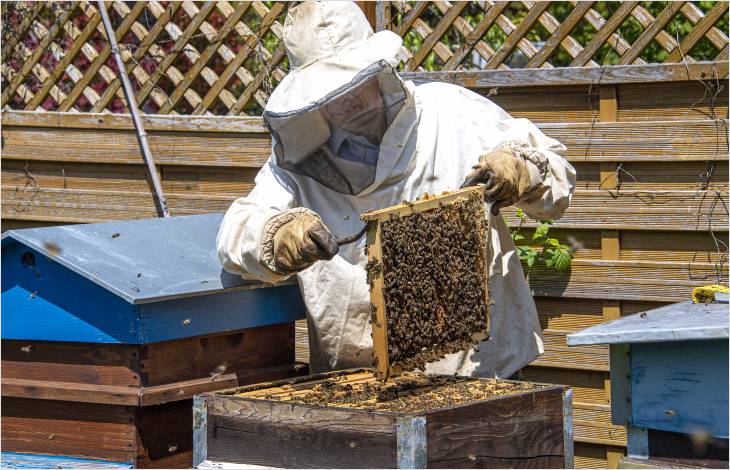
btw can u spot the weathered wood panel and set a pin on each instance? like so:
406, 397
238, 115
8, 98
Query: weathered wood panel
230, 146
211, 356
588, 386
314, 437
74, 429
591, 209
459, 437
693, 379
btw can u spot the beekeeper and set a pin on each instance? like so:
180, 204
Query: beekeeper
350, 136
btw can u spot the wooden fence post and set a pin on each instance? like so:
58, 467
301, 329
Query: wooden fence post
369, 9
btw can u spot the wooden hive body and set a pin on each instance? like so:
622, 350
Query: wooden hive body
380, 266
268, 425
104, 364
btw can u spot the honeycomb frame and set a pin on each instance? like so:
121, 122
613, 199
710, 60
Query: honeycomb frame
376, 269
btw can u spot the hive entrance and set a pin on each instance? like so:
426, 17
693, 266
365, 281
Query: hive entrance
427, 270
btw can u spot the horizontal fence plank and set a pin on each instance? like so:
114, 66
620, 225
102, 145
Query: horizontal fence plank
545, 104
678, 247
642, 210
668, 141
660, 176
596, 209
647, 141
575, 75
558, 354
151, 122
624, 280
588, 386
229, 181
589, 456
592, 424
97, 206
699, 99
120, 146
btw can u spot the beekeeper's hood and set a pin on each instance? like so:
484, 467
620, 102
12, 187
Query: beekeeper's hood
329, 114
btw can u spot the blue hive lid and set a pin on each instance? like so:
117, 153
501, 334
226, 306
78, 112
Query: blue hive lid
141, 261
682, 321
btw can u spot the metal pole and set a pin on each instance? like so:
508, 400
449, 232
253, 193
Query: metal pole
132, 104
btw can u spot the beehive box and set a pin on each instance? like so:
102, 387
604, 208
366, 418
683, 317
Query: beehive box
349, 419
428, 274
108, 330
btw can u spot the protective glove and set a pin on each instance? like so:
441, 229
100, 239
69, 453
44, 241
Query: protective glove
506, 174
298, 239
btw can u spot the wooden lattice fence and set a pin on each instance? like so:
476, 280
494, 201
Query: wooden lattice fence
636, 90
224, 58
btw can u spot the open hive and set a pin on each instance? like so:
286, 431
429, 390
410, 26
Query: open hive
350, 419
411, 392
428, 275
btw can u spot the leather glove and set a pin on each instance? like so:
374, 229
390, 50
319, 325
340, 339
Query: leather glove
300, 240
505, 174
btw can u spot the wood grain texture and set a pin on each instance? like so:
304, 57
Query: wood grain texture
242, 431
515, 431
66, 428
70, 391
693, 378
573, 75
213, 355
164, 435
378, 317
153, 436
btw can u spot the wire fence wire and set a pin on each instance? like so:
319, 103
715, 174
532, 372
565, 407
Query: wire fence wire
225, 58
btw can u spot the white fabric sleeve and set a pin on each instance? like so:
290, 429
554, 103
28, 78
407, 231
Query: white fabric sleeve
240, 237
552, 177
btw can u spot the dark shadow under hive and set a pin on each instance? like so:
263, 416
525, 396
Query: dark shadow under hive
427, 271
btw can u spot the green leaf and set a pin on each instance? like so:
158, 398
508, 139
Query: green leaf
540, 232
561, 260
517, 237
552, 242
531, 260
521, 214
525, 252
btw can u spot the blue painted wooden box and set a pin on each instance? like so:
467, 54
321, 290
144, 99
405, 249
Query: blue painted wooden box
130, 282
117, 325
669, 382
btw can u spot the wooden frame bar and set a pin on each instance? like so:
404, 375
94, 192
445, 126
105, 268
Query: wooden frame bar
374, 219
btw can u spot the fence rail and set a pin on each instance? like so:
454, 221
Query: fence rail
649, 140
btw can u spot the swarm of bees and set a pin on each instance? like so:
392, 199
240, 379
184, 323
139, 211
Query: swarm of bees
434, 281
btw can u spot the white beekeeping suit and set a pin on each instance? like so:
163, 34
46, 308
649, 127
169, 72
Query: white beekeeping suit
349, 136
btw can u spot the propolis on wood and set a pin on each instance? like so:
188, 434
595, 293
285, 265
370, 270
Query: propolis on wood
428, 275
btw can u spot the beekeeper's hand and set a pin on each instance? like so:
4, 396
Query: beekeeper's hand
507, 176
297, 239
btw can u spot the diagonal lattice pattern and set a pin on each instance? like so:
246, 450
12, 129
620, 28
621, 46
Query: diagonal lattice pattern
497, 35
224, 58
182, 57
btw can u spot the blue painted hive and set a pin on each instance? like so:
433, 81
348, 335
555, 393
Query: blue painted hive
669, 383
117, 325
130, 282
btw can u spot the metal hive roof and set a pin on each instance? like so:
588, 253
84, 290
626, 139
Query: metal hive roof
682, 321
142, 261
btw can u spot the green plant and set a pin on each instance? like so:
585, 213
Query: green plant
553, 254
